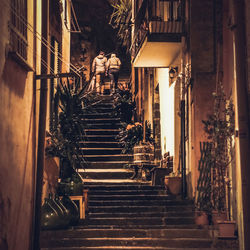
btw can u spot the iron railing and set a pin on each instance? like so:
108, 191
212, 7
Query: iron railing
158, 17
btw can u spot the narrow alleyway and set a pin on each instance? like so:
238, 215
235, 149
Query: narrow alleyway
124, 213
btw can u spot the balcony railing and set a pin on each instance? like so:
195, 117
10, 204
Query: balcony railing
159, 20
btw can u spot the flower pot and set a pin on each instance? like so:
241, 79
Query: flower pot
218, 216
201, 218
143, 153
173, 184
226, 229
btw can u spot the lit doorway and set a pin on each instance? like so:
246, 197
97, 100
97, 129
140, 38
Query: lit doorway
167, 113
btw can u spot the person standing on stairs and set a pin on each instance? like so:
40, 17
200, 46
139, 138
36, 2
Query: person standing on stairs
113, 68
99, 68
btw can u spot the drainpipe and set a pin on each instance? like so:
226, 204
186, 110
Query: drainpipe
242, 122
41, 130
32, 233
183, 117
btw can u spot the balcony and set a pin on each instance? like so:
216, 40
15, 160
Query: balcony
159, 26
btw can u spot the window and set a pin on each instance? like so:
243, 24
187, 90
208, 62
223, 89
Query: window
170, 10
18, 28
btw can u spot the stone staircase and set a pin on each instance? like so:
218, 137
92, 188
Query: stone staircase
101, 149
124, 213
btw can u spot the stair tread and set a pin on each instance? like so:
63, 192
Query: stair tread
102, 148
103, 170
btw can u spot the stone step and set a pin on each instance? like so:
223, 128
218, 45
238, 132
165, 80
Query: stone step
118, 187
102, 107
131, 241
104, 125
113, 120
103, 182
124, 221
99, 144
101, 151
137, 233
146, 227
142, 202
109, 174
101, 138
125, 197
116, 157
131, 248
97, 132
143, 214
98, 115
106, 165
136, 209
128, 192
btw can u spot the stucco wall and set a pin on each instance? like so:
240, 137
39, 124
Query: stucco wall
17, 154
202, 59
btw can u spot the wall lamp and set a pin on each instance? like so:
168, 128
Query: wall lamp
173, 72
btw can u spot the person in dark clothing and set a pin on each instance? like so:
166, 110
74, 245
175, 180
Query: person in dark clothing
99, 68
113, 68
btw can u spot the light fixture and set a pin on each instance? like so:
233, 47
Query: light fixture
172, 72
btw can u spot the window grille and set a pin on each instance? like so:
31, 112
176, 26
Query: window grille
18, 28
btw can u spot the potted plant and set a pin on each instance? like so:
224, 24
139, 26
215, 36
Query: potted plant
124, 105
135, 134
67, 130
173, 183
137, 139
219, 128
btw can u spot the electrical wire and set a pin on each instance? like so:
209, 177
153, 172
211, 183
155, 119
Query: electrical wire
43, 40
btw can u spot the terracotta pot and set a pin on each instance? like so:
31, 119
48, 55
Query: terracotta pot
218, 216
201, 218
226, 229
173, 184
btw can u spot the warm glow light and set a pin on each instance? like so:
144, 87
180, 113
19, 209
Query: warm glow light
166, 111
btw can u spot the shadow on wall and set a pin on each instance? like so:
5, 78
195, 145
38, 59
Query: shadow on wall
190, 190
14, 77
5, 206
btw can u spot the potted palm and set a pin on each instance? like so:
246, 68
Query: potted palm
67, 130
